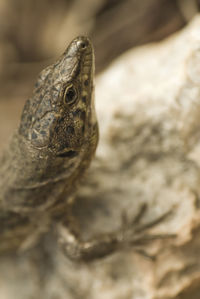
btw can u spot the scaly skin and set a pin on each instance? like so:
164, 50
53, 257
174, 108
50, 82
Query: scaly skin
53, 146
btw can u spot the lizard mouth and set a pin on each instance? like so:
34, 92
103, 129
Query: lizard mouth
68, 154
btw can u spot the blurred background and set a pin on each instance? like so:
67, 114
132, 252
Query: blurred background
33, 33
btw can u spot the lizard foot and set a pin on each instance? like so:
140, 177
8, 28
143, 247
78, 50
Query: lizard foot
132, 234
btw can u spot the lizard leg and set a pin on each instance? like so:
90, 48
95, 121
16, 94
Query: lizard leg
102, 245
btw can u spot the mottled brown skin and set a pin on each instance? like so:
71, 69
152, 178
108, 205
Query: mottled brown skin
57, 136
54, 144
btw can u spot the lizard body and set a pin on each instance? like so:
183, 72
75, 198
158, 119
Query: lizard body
54, 144
57, 136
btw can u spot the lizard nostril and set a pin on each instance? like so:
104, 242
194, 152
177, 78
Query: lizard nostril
82, 44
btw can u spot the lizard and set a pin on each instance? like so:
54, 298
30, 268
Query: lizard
48, 155
54, 143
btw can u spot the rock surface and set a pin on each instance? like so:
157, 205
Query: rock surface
148, 106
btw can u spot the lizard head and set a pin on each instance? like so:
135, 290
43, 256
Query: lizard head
60, 116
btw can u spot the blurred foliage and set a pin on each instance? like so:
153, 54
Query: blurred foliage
35, 31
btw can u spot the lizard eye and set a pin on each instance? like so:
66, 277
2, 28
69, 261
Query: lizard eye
70, 94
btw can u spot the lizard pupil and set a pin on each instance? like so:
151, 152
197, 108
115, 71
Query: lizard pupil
83, 45
70, 95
